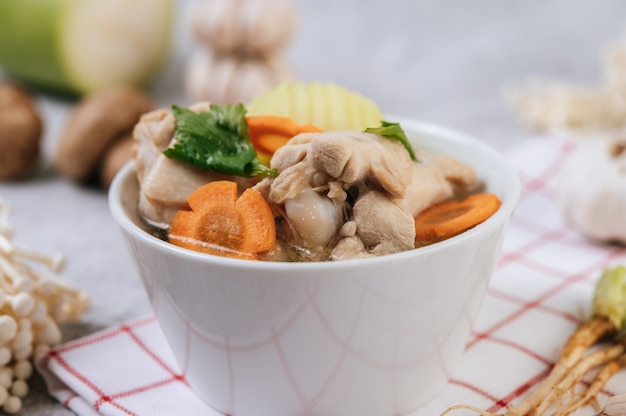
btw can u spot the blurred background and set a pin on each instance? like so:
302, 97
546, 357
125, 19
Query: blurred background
453, 62
448, 62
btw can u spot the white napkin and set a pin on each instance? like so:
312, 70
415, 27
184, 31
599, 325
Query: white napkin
541, 287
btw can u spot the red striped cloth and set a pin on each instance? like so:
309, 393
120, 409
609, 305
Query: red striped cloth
542, 286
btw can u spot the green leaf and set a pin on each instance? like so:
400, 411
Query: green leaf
217, 140
609, 297
393, 131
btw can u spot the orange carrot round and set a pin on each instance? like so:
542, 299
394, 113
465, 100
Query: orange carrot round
450, 218
221, 223
268, 133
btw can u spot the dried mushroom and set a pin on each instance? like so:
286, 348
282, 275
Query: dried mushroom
97, 123
20, 132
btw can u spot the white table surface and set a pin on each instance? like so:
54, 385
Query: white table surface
448, 62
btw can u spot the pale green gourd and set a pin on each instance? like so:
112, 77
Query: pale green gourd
325, 105
79, 46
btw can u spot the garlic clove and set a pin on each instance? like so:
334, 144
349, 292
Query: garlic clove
224, 79
258, 27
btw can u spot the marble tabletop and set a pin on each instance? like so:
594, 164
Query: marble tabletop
447, 62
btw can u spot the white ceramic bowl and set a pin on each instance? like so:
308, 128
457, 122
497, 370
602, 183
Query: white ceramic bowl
370, 337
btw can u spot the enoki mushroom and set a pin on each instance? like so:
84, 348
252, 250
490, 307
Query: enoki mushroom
32, 304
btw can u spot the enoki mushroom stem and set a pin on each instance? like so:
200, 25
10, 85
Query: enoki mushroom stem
31, 307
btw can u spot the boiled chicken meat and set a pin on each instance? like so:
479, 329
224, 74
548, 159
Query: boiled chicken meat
165, 183
350, 194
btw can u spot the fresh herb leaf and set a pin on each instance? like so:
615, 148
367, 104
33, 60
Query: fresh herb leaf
393, 131
217, 140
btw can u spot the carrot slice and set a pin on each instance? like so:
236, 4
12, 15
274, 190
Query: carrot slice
259, 219
453, 217
268, 133
218, 222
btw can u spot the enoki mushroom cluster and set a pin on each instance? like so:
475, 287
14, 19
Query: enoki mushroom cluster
33, 302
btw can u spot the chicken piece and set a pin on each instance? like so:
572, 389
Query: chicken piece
352, 157
427, 186
455, 171
294, 152
164, 183
312, 217
153, 134
315, 217
350, 248
383, 227
379, 227
436, 177
290, 182
165, 188
320, 176
356, 194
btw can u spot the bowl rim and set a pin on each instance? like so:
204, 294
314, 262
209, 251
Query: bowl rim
501, 216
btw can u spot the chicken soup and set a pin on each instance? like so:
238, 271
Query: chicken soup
325, 196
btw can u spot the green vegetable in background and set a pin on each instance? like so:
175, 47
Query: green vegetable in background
217, 140
81, 46
393, 131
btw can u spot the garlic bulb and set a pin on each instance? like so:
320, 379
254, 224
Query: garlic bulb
592, 188
258, 26
231, 79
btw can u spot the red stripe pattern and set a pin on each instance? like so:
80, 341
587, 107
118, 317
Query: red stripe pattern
541, 288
